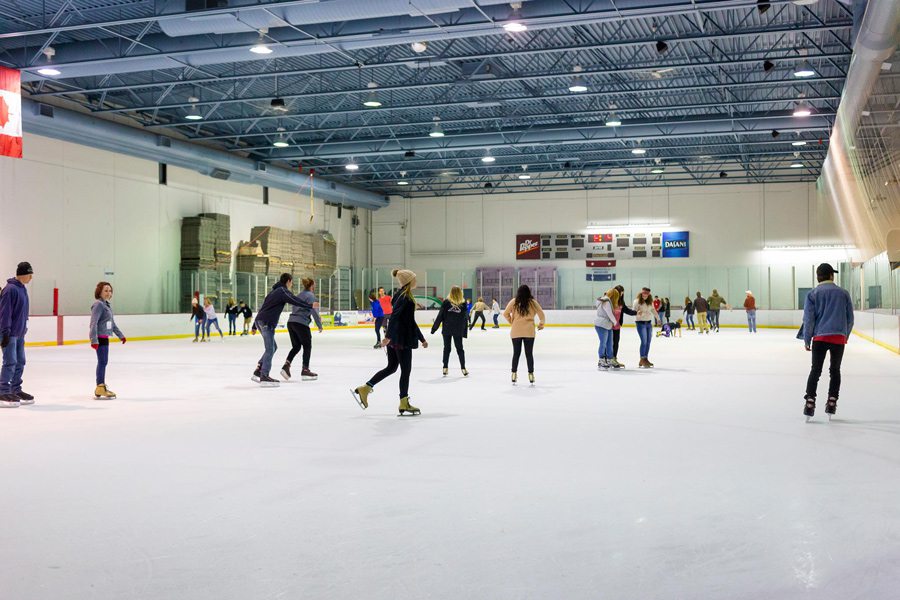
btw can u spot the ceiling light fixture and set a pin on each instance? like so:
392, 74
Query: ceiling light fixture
762, 6
798, 143
775, 133
796, 165
514, 24
802, 109
722, 174
194, 114
436, 129
278, 104
49, 52
280, 142
372, 100
261, 47
352, 166
523, 175
419, 47
401, 182
639, 151
661, 47
578, 85
804, 70
612, 120
768, 65
487, 158
657, 170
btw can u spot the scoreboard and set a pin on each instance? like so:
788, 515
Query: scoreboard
579, 246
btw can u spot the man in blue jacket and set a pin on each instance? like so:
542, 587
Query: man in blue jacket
267, 320
827, 323
13, 327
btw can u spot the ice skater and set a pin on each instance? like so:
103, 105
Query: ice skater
688, 312
520, 314
479, 309
13, 327
495, 313
646, 314
715, 305
301, 335
701, 306
827, 323
378, 315
211, 318
247, 313
267, 321
666, 309
451, 318
750, 309
386, 307
231, 313
621, 309
604, 321
402, 337
198, 316
103, 325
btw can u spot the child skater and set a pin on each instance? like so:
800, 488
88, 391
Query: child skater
452, 320
378, 315
211, 318
298, 328
520, 314
495, 312
402, 337
604, 322
198, 316
231, 313
245, 311
103, 324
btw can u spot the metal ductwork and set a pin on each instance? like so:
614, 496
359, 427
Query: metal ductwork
84, 129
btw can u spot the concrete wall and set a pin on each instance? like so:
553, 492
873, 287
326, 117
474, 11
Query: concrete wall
77, 213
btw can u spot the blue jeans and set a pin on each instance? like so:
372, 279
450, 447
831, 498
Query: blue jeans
232, 324
268, 335
751, 320
496, 319
102, 360
689, 319
210, 323
198, 326
605, 350
714, 318
13, 366
645, 331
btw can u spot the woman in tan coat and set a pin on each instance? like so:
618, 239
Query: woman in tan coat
520, 314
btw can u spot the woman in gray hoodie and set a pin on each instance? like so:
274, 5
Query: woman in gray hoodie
603, 324
103, 324
298, 328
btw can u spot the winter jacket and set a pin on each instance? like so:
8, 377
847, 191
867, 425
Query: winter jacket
386, 304
274, 303
522, 326
605, 318
645, 312
232, 309
403, 331
667, 309
197, 312
245, 311
103, 324
452, 319
688, 308
210, 312
495, 307
828, 311
302, 315
750, 303
716, 301
14, 309
377, 311
480, 307
701, 305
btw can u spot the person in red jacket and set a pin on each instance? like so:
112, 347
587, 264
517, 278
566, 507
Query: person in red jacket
385, 301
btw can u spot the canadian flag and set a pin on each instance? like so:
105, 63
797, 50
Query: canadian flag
10, 113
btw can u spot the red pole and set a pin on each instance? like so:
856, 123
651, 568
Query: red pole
59, 320
56, 301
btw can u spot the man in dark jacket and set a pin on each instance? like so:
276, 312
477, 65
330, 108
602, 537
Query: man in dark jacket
267, 320
13, 327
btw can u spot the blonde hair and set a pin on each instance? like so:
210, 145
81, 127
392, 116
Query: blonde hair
207, 301
456, 296
613, 295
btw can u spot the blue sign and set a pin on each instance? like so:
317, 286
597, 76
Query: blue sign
676, 244
600, 277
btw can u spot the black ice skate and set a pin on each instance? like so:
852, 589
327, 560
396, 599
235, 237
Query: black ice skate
266, 381
286, 371
256, 375
25, 399
830, 406
307, 375
809, 409
9, 401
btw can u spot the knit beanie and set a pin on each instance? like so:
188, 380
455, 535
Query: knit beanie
24, 268
404, 276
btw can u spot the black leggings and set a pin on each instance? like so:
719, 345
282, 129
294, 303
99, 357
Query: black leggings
397, 357
301, 337
379, 321
478, 315
819, 350
457, 341
616, 335
517, 351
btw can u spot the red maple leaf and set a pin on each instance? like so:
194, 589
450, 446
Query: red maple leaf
4, 112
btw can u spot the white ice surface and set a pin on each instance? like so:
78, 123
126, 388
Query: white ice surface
698, 479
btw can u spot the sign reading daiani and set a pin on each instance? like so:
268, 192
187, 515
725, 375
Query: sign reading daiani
676, 244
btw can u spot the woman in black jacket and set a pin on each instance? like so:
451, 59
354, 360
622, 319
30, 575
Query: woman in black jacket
620, 311
453, 318
402, 337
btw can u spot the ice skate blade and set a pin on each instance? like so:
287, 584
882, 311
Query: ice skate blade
254, 379
269, 384
356, 398
308, 378
104, 398
26, 402
412, 413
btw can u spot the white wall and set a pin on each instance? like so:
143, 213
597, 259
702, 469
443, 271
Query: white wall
729, 226
77, 213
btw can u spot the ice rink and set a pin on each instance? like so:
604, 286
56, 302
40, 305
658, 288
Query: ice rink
698, 479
